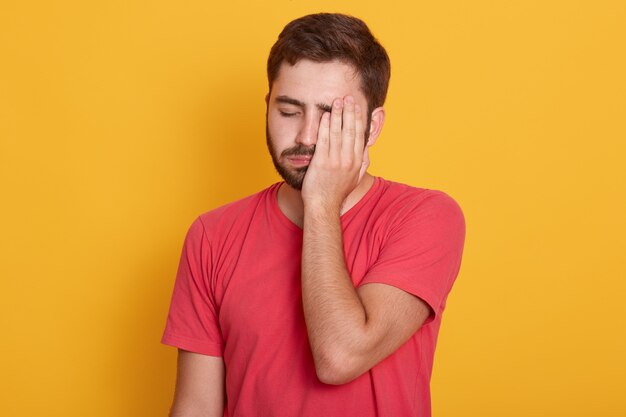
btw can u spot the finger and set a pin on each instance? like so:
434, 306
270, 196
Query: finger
359, 140
335, 128
323, 135
365, 164
348, 128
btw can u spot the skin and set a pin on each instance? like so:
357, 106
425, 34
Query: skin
350, 330
200, 387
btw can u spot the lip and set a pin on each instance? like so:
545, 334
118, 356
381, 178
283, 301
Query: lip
300, 160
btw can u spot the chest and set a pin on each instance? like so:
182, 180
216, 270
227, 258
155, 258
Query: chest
258, 281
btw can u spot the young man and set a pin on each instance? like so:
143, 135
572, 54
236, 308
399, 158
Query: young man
321, 295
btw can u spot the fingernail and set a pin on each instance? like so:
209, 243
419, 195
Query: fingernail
349, 99
338, 103
357, 108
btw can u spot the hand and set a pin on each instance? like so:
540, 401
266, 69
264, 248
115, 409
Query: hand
340, 159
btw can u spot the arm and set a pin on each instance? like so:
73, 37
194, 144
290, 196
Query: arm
349, 330
199, 386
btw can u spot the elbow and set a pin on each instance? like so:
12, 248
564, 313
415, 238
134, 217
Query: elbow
331, 376
336, 368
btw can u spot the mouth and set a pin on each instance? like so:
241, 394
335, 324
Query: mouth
299, 160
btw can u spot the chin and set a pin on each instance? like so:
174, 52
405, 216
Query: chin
292, 176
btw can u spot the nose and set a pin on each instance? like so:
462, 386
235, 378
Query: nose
307, 135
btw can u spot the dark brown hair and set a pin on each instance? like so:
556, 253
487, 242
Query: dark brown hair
325, 37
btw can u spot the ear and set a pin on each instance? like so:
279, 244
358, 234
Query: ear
376, 125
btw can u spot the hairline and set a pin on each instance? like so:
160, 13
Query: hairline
355, 71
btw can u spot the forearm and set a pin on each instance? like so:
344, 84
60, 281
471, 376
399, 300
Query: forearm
335, 317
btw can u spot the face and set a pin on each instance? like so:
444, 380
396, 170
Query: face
300, 95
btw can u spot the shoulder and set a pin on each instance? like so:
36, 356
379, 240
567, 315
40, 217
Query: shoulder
406, 201
225, 217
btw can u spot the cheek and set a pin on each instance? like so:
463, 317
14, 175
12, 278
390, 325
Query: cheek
281, 128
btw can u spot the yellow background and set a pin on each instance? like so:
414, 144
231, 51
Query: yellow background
121, 121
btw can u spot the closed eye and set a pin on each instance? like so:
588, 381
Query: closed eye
285, 114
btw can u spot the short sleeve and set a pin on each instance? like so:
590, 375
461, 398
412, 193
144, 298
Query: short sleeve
192, 322
422, 251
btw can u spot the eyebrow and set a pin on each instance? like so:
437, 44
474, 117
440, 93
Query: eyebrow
295, 102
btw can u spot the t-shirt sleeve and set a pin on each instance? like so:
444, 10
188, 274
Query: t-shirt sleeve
192, 322
422, 252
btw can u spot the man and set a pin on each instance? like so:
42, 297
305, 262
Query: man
321, 295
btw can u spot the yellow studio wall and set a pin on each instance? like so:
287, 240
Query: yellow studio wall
120, 122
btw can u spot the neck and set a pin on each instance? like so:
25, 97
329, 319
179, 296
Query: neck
290, 199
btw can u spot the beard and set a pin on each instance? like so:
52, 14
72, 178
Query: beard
292, 176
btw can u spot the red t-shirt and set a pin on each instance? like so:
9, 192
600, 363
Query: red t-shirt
238, 295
